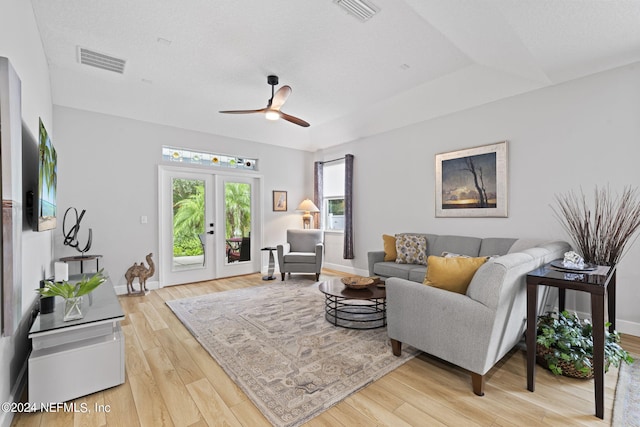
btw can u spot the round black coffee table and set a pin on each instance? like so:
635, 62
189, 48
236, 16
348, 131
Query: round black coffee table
354, 308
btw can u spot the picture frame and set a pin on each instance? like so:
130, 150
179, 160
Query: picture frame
279, 201
472, 182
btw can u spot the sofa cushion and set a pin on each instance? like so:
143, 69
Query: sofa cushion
525, 243
392, 269
417, 273
452, 274
304, 240
458, 244
389, 243
446, 254
411, 249
300, 257
492, 246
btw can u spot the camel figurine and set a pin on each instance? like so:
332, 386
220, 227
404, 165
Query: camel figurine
142, 273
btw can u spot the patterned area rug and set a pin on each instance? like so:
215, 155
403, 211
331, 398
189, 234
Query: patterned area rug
626, 406
275, 343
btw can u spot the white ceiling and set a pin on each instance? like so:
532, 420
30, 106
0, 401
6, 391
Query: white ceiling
414, 60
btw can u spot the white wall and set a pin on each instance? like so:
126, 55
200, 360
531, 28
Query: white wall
109, 166
578, 134
20, 42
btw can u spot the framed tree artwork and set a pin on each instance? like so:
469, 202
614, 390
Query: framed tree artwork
279, 201
472, 182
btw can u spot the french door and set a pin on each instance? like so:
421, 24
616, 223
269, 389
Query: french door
239, 214
209, 225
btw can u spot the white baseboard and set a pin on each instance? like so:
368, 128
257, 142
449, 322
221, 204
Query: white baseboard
122, 289
346, 269
21, 381
7, 417
628, 328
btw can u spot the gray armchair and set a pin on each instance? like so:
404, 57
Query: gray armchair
302, 253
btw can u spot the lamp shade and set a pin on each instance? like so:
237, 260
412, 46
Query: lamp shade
307, 206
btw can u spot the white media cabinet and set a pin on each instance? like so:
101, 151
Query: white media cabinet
79, 357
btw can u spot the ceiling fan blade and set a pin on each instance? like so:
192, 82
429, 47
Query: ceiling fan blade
293, 119
262, 110
280, 97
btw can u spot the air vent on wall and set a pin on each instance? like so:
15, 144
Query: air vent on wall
100, 60
358, 8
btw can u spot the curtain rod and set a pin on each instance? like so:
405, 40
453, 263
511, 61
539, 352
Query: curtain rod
334, 160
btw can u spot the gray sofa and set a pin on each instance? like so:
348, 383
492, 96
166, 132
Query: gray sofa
473, 331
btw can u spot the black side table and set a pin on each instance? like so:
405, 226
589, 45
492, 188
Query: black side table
599, 283
81, 259
272, 263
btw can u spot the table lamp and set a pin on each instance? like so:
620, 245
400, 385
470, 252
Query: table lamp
307, 207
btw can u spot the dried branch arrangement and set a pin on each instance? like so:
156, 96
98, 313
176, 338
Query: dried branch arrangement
600, 234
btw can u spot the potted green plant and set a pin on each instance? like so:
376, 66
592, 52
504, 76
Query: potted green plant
565, 345
72, 293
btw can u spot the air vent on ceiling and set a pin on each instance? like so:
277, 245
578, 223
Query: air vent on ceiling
100, 60
358, 8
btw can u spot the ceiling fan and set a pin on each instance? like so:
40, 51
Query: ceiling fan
272, 111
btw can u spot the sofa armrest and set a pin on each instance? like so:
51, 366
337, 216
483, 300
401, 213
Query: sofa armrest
374, 257
319, 256
442, 323
282, 250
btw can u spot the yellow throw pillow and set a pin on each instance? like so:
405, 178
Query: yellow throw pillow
452, 274
389, 242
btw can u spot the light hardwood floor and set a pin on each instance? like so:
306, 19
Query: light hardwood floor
172, 380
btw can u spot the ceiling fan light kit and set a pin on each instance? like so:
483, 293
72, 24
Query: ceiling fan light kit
272, 110
271, 115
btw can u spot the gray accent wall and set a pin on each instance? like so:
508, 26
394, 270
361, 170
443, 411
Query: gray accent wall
572, 135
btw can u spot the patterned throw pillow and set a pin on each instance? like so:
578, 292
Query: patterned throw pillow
411, 249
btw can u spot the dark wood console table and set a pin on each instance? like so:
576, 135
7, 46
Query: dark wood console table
600, 283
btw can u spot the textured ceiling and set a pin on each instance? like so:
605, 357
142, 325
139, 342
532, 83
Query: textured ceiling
414, 60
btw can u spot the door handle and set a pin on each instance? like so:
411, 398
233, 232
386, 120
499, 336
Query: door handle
210, 232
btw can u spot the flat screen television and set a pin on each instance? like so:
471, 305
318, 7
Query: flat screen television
47, 181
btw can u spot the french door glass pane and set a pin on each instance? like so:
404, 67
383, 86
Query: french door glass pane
237, 212
188, 223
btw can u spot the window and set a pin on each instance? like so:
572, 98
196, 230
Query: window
333, 202
334, 218
182, 155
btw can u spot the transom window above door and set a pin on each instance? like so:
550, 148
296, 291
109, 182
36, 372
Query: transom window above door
191, 157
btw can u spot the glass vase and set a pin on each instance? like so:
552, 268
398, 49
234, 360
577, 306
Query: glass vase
73, 309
